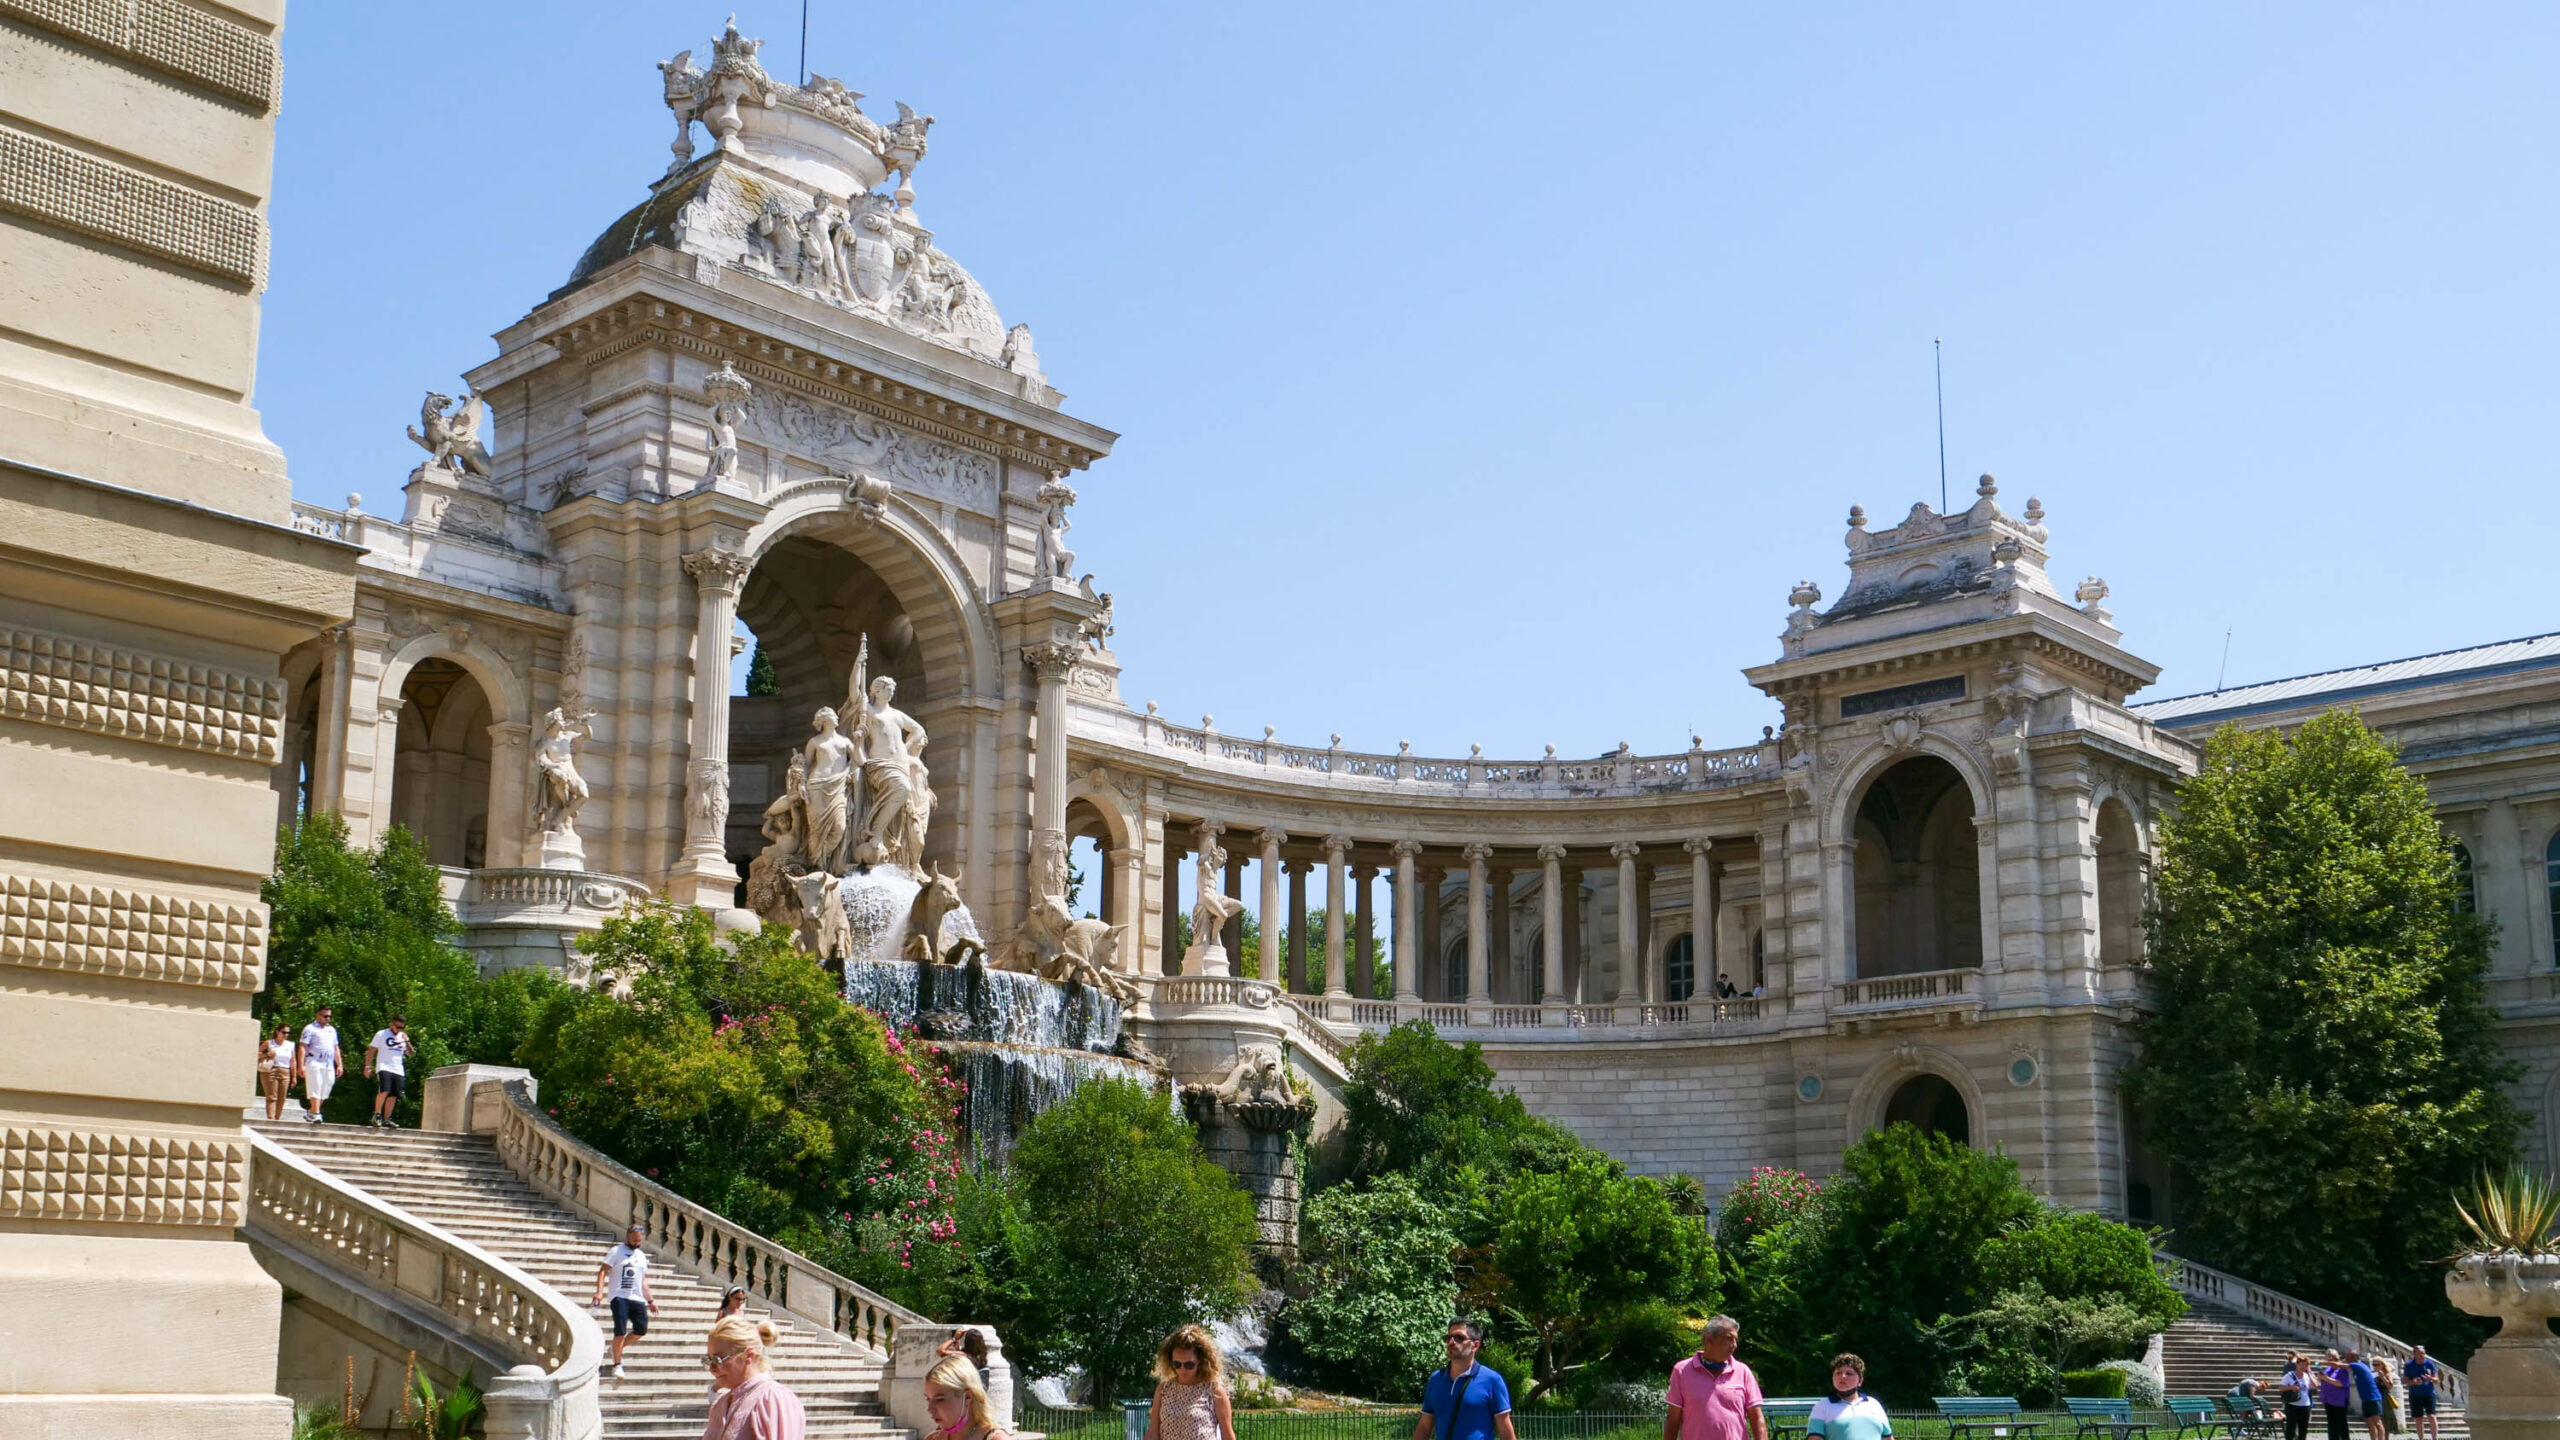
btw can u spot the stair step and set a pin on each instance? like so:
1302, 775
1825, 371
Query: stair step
459, 1183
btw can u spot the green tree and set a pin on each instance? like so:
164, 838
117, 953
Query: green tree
761, 680
2319, 1067
366, 931
1420, 1105
1111, 1229
737, 1076
1378, 1288
1578, 1248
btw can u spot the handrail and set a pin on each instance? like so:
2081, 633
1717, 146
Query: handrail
695, 1239
554, 1344
1909, 989
2296, 1317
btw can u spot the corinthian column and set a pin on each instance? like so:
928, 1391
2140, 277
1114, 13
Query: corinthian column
1479, 954
1630, 932
1407, 978
1702, 917
703, 875
1551, 918
1050, 661
1335, 884
1273, 922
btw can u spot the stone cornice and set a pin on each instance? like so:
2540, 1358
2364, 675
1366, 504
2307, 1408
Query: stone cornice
2027, 634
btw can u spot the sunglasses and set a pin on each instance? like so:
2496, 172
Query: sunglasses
1186, 1364
714, 1362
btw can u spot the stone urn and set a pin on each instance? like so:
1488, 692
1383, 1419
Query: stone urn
2515, 1377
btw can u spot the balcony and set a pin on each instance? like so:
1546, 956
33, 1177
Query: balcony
1945, 996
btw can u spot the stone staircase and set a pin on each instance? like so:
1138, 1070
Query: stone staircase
2213, 1348
458, 1182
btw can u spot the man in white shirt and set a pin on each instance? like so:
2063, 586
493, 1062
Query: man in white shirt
387, 1061
317, 1061
625, 1272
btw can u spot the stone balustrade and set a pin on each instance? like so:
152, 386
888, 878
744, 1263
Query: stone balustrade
515, 888
689, 1236
1551, 777
1903, 990
552, 1344
2299, 1318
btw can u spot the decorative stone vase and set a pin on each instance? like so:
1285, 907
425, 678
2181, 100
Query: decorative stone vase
2515, 1377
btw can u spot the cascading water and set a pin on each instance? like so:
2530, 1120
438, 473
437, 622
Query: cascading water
1017, 1042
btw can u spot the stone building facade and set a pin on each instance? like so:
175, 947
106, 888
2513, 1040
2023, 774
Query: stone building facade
150, 584
768, 394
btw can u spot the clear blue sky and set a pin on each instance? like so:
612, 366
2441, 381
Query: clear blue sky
1489, 373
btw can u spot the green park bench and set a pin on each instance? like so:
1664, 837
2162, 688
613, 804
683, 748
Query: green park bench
2112, 1419
2255, 1421
1786, 1415
1991, 1416
2198, 1417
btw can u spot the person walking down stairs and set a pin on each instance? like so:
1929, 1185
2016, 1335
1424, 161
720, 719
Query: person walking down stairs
625, 1271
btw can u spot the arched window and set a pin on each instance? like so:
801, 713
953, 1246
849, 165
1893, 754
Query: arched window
2551, 878
1914, 872
1537, 978
2119, 886
1454, 966
1759, 960
2466, 886
1933, 1105
1679, 970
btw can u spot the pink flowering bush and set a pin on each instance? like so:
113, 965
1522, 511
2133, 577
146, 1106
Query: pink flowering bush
746, 1083
1762, 1200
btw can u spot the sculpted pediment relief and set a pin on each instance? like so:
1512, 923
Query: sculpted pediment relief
848, 442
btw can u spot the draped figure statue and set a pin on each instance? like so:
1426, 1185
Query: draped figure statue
896, 793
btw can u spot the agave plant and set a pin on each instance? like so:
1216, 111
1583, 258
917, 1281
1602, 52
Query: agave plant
2511, 1212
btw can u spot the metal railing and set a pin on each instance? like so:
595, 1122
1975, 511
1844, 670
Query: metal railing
2299, 1318
569, 1170
296, 1207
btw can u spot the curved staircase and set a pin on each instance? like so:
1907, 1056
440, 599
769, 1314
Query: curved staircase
2234, 1330
459, 1183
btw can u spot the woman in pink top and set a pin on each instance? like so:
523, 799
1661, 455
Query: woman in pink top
1191, 1394
956, 1400
757, 1406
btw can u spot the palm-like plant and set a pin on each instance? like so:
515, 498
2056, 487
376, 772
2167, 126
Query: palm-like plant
2511, 1212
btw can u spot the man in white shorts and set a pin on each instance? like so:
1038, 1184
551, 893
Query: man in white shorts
625, 1271
317, 1061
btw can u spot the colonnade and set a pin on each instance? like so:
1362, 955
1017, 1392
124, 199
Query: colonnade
1477, 887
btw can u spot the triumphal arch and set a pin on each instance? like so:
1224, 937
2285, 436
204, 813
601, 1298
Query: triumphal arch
769, 393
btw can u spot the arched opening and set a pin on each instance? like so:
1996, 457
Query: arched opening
1759, 960
1679, 970
1092, 889
1453, 966
808, 605
1932, 1104
2466, 885
2119, 886
440, 767
1918, 887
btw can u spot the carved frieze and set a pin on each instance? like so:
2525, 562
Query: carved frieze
62, 1173
846, 442
107, 690
130, 934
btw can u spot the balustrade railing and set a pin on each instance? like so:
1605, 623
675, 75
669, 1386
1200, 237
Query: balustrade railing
567, 1169
319, 520
305, 1211
1621, 772
1905, 989
560, 889
2299, 1318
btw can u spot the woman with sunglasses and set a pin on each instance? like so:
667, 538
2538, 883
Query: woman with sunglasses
755, 1406
1191, 1397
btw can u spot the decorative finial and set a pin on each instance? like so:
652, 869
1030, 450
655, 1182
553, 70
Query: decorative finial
1768, 733
1986, 487
1404, 747
1475, 752
1267, 732
1551, 752
1804, 595
1857, 517
1208, 722
2035, 511
2006, 553
355, 503
1151, 707
1697, 742
1337, 740
2091, 591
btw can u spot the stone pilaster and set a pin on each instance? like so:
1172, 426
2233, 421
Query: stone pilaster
1551, 917
1407, 966
1272, 921
703, 875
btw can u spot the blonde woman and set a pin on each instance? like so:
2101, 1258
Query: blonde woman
275, 1069
756, 1406
1191, 1395
956, 1399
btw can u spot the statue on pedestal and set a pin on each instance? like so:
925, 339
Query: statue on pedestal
828, 761
555, 764
897, 800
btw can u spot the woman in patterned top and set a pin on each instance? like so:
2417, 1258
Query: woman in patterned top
1191, 1397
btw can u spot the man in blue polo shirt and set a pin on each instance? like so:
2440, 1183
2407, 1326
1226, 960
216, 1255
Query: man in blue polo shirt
1464, 1400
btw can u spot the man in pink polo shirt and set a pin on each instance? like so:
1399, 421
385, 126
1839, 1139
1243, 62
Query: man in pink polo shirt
1713, 1395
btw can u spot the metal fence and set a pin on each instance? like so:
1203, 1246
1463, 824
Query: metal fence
1385, 1422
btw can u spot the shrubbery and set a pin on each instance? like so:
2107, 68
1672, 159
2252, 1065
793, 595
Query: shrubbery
1374, 1265
367, 932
